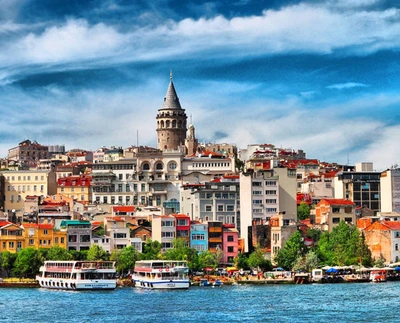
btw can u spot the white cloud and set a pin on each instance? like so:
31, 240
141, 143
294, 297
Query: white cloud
348, 85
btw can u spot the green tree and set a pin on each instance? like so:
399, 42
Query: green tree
242, 261
208, 259
257, 259
58, 253
96, 252
78, 254
181, 252
306, 263
344, 246
293, 248
303, 211
7, 262
125, 259
27, 263
152, 250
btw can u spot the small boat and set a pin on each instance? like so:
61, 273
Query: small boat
378, 275
161, 274
206, 283
78, 275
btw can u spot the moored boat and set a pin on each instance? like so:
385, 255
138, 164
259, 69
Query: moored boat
78, 275
161, 274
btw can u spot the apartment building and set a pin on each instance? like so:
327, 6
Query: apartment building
330, 212
76, 187
22, 183
390, 190
264, 193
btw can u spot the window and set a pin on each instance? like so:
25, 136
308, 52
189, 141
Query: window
396, 247
336, 210
167, 223
120, 177
119, 235
230, 238
168, 234
335, 220
257, 192
230, 208
31, 242
270, 192
256, 183
56, 240
208, 208
230, 249
348, 220
172, 165
270, 183
220, 208
198, 236
62, 240
348, 209
72, 238
11, 244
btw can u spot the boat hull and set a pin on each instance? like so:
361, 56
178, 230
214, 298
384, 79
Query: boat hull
161, 284
69, 284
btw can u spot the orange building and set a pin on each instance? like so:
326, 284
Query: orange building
329, 213
383, 239
11, 237
43, 236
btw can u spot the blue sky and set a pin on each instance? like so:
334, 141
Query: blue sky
322, 76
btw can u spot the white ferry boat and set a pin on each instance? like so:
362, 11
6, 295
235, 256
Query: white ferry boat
78, 275
161, 274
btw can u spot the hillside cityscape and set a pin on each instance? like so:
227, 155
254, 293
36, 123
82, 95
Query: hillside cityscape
211, 197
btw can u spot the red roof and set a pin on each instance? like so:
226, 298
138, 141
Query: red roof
338, 202
39, 226
124, 208
3, 223
180, 216
393, 225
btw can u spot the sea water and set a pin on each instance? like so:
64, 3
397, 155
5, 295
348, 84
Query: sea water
352, 302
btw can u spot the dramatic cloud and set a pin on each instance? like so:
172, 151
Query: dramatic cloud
315, 75
348, 85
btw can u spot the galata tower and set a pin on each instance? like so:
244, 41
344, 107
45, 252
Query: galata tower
171, 121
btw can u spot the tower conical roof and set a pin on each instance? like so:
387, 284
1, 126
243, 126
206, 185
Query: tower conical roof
171, 100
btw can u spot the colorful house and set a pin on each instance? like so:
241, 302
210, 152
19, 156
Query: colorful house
383, 239
199, 236
230, 237
43, 236
329, 213
183, 227
11, 237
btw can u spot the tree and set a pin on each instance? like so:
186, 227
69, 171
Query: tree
303, 211
257, 259
242, 261
152, 250
344, 246
57, 253
181, 252
208, 259
292, 248
306, 263
7, 262
125, 259
27, 263
96, 252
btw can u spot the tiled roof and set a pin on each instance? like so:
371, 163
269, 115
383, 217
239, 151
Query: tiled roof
180, 215
393, 225
338, 202
124, 208
3, 223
